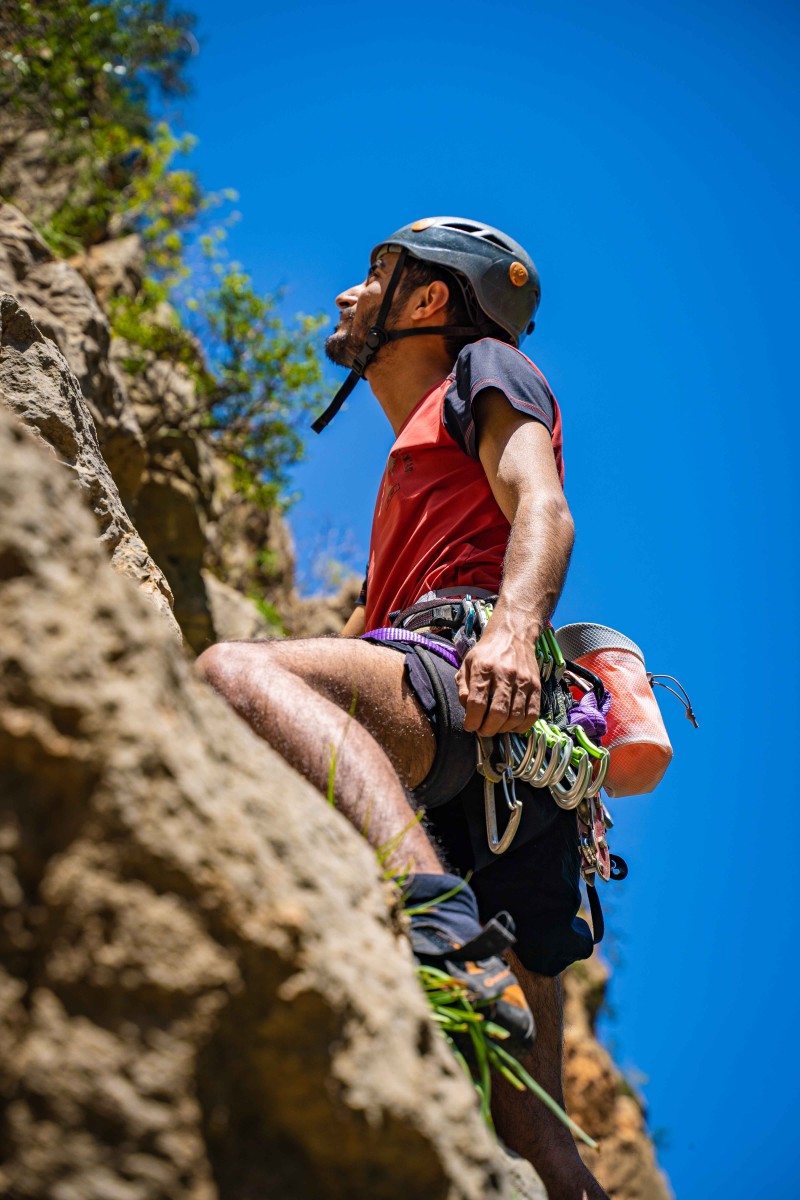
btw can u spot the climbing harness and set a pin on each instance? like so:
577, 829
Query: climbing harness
581, 743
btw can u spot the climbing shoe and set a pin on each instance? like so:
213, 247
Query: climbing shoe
490, 984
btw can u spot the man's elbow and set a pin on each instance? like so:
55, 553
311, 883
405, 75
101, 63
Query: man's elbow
553, 513
566, 524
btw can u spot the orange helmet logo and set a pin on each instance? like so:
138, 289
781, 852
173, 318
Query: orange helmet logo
518, 274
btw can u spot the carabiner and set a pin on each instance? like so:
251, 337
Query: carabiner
567, 746
551, 762
599, 779
534, 755
572, 796
485, 766
603, 863
585, 743
544, 658
508, 783
559, 662
499, 845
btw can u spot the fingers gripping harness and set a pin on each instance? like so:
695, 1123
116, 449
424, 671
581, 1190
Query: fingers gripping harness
555, 753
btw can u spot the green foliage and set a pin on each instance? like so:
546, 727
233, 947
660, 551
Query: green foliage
90, 72
265, 378
270, 614
78, 65
476, 1044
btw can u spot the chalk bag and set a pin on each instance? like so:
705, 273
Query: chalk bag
637, 739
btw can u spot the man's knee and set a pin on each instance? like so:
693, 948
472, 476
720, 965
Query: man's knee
223, 664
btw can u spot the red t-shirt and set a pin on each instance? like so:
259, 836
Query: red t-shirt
437, 523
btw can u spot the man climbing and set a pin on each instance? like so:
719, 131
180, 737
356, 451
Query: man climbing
471, 503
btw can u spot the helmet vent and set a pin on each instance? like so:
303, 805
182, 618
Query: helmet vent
477, 231
490, 237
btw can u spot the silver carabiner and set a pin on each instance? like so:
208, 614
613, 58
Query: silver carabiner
485, 761
599, 779
571, 797
551, 763
509, 789
567, 746
534, 757
499, 845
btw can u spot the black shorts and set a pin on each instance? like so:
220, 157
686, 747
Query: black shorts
537, 880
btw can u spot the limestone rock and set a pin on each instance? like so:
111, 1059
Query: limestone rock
21, 248
112, 269
177, 495
234, 616
36, 382
31, 174
249, 547
202, 996
65, 309
600, 1100
319, 616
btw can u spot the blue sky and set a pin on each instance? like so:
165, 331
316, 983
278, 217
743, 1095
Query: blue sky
647, 157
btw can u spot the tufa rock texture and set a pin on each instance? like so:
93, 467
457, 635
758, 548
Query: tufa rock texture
202, 995
179, 492
64, 308
37, 384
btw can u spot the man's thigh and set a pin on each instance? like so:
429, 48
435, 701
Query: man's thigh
368, 681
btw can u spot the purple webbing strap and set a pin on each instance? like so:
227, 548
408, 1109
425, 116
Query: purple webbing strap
392, 634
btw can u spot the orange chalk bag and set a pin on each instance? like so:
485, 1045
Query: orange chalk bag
636, 739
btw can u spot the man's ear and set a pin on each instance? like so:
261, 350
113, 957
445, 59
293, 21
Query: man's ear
433, 299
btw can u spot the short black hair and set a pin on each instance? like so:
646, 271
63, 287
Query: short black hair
417, 273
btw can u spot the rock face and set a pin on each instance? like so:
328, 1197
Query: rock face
64, 308
37, 384
149, 423
202, 994
599, 1099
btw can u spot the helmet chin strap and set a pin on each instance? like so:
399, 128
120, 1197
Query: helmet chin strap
378, 336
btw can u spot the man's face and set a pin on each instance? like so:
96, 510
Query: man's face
358, 310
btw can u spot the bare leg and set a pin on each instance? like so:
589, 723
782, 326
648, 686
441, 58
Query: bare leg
296, 695
522, 1121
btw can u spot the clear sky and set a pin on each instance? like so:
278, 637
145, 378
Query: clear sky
646, 155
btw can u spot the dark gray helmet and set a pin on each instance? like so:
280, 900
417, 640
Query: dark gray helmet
498, 278
502, 274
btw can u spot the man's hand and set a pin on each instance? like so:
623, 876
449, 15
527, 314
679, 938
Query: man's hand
498, 682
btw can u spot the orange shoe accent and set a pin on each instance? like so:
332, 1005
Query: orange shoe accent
515, 995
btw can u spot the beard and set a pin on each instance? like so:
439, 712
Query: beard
340, 346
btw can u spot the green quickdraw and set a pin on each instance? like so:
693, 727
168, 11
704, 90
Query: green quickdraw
552, 754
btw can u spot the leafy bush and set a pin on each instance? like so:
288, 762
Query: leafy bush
94, 73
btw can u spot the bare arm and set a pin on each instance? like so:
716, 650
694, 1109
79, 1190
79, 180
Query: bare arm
356, 623
499, 682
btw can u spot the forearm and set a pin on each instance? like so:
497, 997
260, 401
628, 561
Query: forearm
535, 565
356, 623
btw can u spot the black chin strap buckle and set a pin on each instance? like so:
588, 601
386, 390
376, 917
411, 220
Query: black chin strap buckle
375, 339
